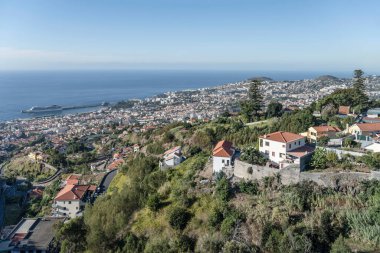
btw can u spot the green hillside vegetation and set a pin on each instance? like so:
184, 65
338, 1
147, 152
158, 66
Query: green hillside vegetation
27, 168
177, 210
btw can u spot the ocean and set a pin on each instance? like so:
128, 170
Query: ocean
20, 90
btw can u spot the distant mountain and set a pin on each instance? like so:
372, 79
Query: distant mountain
327, 78
261, 78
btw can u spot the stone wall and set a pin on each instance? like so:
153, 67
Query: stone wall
292, 175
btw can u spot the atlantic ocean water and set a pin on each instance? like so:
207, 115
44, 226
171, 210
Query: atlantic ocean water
21, 90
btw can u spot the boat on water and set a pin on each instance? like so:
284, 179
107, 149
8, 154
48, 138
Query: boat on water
42, 109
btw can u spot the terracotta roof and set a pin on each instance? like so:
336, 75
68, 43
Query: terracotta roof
115, 164
344, 110
369, 126
172, 150
301, 151
73, 179
322, 129
72, 192
282, 137
223, 149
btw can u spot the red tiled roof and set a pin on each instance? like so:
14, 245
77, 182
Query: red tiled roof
115, 164
369, 126
282, 137
323, 129
172, 150
223, 149
72, 179
72, 192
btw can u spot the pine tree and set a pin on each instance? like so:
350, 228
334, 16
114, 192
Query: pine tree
359, 87
252, 106
359, 80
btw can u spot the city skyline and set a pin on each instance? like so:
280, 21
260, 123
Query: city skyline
168, 34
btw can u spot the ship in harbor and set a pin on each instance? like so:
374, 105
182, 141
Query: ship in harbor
43, 109
58, 108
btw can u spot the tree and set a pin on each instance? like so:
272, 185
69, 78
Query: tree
67, 234
319, 159
253, 156
359, 87
223, 189
359, 80
274, 109
153, 202
178, 218
251, 107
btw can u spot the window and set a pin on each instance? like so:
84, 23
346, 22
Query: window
69, 202
266, 152
299, 142
222, 160
228, 162
290, 145
267, 143
273, 154
261, 142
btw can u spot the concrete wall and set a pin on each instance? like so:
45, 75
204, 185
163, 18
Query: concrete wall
292, 175
341, 152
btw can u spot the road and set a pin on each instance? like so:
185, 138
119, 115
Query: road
106, 181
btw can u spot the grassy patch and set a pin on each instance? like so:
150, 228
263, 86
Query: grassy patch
118, 183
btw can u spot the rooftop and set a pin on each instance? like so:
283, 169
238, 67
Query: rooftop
72, 192
369, 126
37, 233
281, 136
322, 129
223, 149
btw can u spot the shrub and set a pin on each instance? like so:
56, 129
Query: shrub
179, 217
236, 247
249, 187
216, 217
253, 156
340, 246
228, 225
153, 202
223, 189
319, 159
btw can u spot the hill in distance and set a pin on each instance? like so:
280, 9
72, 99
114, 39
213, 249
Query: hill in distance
261, 78
327, 78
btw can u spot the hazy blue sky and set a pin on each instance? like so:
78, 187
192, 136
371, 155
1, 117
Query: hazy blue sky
196, 34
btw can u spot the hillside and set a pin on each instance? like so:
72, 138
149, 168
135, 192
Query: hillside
261, 78
24, 167
184, 210
327, 78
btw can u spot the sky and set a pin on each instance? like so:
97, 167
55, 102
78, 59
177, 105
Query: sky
295, 35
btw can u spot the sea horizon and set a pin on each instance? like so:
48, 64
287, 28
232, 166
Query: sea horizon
21, 89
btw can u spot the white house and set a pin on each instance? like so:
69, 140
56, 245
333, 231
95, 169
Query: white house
172, 157
222, 156
70, 201
284, 148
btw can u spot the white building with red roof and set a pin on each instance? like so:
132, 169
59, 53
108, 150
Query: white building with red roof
222, 156
172, 157
70, 201
284, 148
